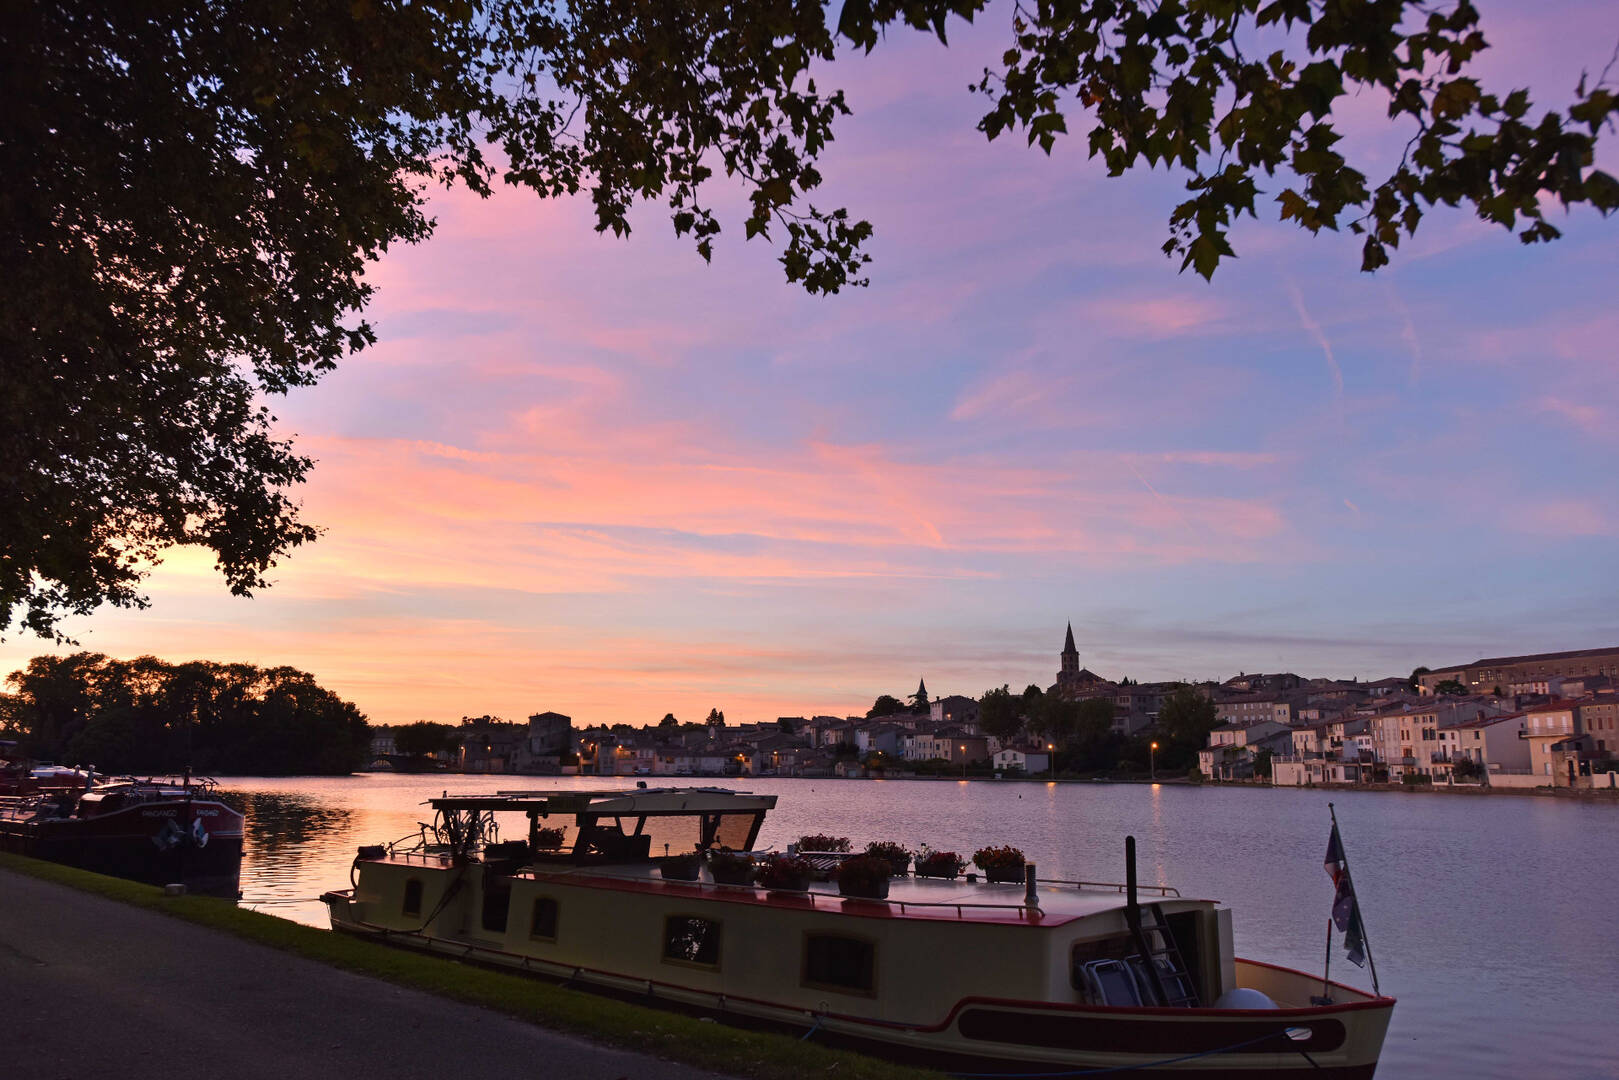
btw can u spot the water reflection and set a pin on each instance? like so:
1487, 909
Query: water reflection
1481, 909
276, 819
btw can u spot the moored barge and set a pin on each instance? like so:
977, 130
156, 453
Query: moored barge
1037, 977
145, 830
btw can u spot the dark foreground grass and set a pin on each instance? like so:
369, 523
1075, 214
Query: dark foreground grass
707, 1045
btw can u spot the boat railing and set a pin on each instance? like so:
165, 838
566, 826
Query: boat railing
961, 906
1114, 886
436, 858
815, 897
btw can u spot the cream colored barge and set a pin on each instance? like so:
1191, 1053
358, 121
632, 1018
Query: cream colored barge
1039, 977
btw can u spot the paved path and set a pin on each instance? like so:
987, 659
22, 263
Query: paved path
91, 989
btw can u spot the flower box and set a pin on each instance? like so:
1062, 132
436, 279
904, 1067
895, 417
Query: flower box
547, 839
895, 854
680, 867
818, 842
864, 877
940, 864
730, 867
1000, 863
785, 873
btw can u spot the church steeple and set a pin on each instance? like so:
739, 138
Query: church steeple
1070, 655
920, 698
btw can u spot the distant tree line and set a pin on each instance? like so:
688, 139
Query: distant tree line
1082, 736
149, 716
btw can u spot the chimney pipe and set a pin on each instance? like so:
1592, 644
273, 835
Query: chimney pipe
1031, 897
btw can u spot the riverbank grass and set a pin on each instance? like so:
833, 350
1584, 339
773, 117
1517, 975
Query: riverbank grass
673, 1036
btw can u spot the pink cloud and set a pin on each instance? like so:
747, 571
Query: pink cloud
1588, 418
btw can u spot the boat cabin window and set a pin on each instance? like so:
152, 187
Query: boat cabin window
840, 963
636, 837
543, 923
497, 902
690, 940
413, 898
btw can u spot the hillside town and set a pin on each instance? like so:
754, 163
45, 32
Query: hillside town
1548, 720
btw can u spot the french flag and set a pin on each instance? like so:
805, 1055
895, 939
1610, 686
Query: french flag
1345, 911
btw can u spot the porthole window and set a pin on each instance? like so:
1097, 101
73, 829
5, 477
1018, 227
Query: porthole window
413, 897
840, 963
543, 924
690, 940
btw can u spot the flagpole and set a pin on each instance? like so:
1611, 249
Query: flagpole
1326, 969
1364, 937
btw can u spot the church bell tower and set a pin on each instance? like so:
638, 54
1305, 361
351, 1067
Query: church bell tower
1070, 658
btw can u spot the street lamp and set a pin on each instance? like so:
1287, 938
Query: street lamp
963, 749
1051, 761
1152, 761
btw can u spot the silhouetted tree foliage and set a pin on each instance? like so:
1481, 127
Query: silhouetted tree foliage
193, 191
1450, 687
148, 716
1000, 713
1185, 718
425, 738
715, 718
886, 705
1082, 733
1412, 684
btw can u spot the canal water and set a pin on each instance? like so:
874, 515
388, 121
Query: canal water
1490, 917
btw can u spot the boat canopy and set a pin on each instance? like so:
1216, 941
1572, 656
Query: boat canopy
617, 825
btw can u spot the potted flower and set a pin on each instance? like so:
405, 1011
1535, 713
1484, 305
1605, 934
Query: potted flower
786, 873
817, 842
865, 877
681, 867
942, 864
547, 839
1000, 863
897, 856
730, 867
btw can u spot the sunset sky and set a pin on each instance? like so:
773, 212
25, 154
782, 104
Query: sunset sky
594, 475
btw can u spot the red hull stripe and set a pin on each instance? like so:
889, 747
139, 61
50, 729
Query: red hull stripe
1144, 1036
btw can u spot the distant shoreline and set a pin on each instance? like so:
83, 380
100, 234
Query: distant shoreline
1596, 794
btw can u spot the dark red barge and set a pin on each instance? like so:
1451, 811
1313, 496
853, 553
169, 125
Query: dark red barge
152, 831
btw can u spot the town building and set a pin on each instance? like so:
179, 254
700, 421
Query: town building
1241, 707
1233, 747
1028, 762
953, 709
1558, 742
1599, 715
1483, 676
1494, 743
550, 740
1405, 735
1325, 753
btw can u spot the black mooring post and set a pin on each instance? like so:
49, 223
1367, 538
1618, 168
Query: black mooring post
1132, 916
1130, 878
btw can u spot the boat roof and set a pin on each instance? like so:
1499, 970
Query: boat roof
1060, 902
679, 800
